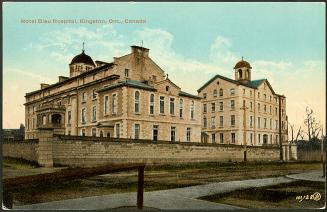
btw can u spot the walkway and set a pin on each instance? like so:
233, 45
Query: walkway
179, 198
310, 176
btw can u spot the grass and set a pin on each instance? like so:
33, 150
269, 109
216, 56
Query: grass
278, 196
19, 162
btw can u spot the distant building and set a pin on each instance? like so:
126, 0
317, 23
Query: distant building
14, 134
228, 102
130, 97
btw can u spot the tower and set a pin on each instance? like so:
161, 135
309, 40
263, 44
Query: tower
80, 64
242, 71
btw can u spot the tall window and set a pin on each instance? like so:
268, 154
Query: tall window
221, 106
276, 111
233, 138
213, 122
270, 109
213, 107
251, 121
106, 105
192, 110
258, 122
117, 131
181, 108
83, 132
137, 131
155, 132
265, 123
83, 116
213, 138
221, 136
162, 104
172, 106
94, 132
232, 91
188, 134
204, 108
94, 94
172, 133
114, 103
265, 108
259, 138
94, 113
276, 124
215, 93
69, 117
276, 139
137, 102
232, 120
83, 97
221, 92
251, 138
270, 124
126, 72
204, 122
151, 104
251, 106
232, 104
221, 121
258, 107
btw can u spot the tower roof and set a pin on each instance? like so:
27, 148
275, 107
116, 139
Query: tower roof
242, 63
82, 58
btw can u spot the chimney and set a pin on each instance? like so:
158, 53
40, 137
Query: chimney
43, 85
138, 50
62, 78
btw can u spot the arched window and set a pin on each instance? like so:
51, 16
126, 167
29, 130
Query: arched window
215, 93
221, 92
240, 73
181, 108
137, 102
192, 110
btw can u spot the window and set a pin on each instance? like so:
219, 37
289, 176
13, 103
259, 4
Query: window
258, 107
258, 95
181, 108
232, 104
270, 123
83, 116
114, 103
204, 122
269, 98
101, 133
232, 120
221, 106
265, 96
270, 109
151, 104
276, 139
213, 138
82, 132
233, 138
155, 132
259, 138
215, 93
265, 108
276, 124
192, 109
117, 130
232, 91
94, 94
94, 132
167, 88
94, 113
172, 133
251, 106
136, 102
258, 122
172, 106
162, 104
126, 72
283, 112
243, 91
265, 123
204, 95
69, 117
137, 131
213, 107
221, 121
251, 138
106, 105
251, 93
251, 121
276, 111
204, 108
83, 97
188, 134
221, 92
221, 138
213, 122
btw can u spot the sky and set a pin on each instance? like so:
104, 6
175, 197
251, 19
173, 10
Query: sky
192, 42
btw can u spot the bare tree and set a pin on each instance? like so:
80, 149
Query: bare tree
299, 133
313, 126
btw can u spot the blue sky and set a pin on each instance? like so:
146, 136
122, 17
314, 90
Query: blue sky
284, 42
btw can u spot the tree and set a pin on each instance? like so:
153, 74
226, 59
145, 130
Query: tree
312, 125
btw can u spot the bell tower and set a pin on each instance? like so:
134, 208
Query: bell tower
242, 71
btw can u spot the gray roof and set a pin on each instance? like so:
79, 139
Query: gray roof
130, 83
182, 93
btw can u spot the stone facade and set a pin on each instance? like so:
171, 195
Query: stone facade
128, 98
241, 109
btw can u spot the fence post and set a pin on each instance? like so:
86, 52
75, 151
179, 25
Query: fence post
140, 187
45, 157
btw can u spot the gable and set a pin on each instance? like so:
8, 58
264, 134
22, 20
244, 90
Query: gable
167, 86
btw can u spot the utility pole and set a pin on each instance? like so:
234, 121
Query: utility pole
244, 129
322, 152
